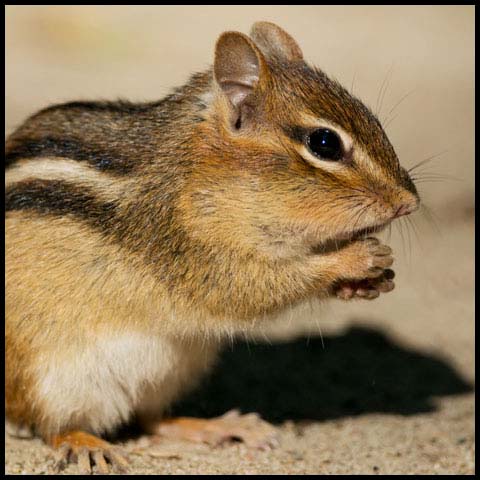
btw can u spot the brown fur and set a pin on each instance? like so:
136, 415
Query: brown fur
195, 216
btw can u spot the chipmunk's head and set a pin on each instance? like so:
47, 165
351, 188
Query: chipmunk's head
293, 151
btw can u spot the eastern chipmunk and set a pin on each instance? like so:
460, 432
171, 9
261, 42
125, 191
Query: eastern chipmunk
140, 236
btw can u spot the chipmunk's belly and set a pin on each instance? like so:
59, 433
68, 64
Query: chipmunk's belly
101, 387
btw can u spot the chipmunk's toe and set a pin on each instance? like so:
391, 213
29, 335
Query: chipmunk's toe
367, 289
249, 429
88, 452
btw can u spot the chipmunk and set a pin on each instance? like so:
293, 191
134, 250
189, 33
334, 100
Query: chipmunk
141, 237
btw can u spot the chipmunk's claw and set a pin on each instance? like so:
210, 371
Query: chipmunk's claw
88, 451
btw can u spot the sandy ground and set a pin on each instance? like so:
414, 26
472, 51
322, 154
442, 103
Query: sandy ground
388, 386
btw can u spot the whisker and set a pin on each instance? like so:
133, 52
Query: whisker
386, 123
356, 215
409, 238
345, 197
389, 76
362, 212
397, 105
318, 326
380, 92
364, 191
431, 218
426, 160
389, 232
428, 180
414, 227
435, 176
399, 225
359, 216
353, 81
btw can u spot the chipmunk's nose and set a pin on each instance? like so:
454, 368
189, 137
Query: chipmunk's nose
403, 209
406, 207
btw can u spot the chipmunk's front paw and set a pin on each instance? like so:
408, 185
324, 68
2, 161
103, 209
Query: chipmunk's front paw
367, 289
366, 259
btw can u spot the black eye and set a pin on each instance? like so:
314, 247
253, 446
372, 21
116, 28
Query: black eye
325, 144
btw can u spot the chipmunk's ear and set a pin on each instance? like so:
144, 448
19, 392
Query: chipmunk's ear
239, 66
273, 41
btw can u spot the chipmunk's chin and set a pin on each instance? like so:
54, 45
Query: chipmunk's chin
363, 232
339, 241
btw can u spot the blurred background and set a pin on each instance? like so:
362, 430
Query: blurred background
415, 64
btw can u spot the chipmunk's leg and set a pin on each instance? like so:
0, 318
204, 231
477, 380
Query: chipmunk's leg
84, 448
249, 428
367, 289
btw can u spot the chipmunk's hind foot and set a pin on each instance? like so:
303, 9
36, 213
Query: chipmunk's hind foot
249, 429
87, 451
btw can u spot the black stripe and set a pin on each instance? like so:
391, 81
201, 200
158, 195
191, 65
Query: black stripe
56, 197
68, 148
118, 106
297, 134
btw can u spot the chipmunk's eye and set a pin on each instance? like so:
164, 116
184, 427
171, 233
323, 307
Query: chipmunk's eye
325, 144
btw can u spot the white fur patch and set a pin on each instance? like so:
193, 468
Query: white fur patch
206, 98
99, 387
316, 162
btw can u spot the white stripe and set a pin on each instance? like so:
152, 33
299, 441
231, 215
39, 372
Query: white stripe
81, 174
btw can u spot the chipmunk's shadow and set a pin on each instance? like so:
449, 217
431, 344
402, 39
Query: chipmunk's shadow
357, 372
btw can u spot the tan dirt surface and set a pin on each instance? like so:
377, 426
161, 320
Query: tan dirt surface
388, 386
